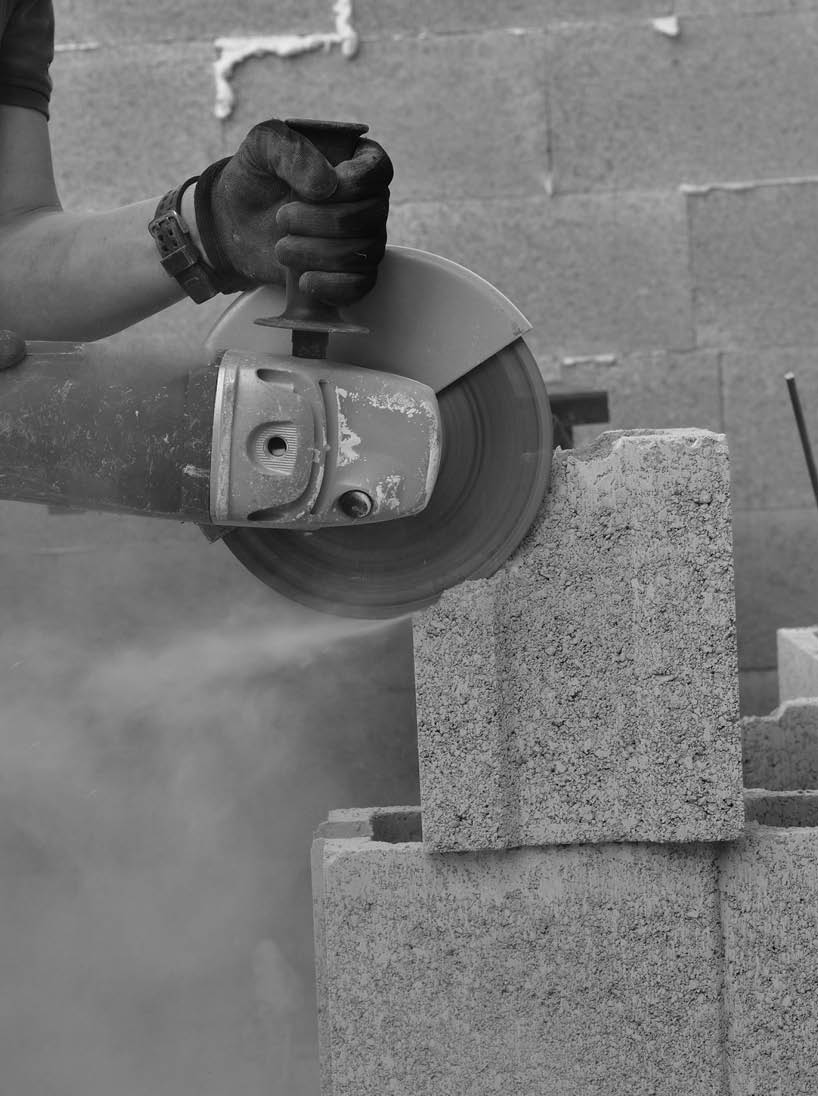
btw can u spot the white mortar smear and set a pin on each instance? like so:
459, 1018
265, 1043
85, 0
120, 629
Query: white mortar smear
348, 440
234, 51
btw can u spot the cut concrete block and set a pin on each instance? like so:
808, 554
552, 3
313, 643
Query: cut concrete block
600, 273
724, 99
781, 749
797, 664
752, 263
776, 578
540, 972
769, 884
588, 692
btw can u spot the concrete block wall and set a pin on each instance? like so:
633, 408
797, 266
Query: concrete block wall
449, 961
568, 971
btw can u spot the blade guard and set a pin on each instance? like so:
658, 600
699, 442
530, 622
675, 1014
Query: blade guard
430, 319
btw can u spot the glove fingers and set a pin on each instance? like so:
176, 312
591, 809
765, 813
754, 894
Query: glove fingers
357, 219
273, 149
366, 175
335, 256
336, 288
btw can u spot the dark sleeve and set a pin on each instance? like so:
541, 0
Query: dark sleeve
26, 51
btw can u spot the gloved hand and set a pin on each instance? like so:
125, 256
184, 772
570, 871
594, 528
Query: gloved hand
333, 229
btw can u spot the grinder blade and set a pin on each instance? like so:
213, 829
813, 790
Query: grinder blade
497, 449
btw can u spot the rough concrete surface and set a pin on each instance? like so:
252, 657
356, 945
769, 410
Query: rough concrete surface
781, 749
588, 692
769, 885
539, 972
797, 663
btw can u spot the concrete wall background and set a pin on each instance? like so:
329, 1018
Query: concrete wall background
166, 752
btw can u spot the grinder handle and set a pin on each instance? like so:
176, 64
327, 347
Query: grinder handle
337, 141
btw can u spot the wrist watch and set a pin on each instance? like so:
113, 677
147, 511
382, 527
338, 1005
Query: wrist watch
177, 252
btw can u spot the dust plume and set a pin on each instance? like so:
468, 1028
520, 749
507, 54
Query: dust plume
156, 810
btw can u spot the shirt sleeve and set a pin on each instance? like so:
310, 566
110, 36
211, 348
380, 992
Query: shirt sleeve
26, 52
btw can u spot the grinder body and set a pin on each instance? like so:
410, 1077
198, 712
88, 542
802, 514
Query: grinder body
247, 439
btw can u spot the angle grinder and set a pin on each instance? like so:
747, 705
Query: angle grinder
358, 464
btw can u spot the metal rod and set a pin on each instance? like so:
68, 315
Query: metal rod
802, 431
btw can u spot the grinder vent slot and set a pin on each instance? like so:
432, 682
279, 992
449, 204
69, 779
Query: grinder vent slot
273, 448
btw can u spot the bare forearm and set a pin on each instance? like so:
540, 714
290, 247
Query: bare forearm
81, 275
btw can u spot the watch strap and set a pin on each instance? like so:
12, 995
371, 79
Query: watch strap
178, 253
225, 276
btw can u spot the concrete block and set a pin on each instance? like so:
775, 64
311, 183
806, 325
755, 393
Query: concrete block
587, 692
460, 116
725, 99
752, 265
595, 274
797, 663
117, 21
781, 749
769, 886
390, 16
776, 579
659, 388
550, 971
769, 469
112, 143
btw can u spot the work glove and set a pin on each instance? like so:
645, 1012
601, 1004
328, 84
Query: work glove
12, 349
279, 203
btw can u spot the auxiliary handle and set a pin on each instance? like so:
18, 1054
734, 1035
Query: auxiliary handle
312, 321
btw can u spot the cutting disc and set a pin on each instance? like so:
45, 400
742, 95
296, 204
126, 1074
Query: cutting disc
497, 448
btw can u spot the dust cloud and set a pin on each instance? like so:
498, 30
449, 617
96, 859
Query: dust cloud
156, 807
